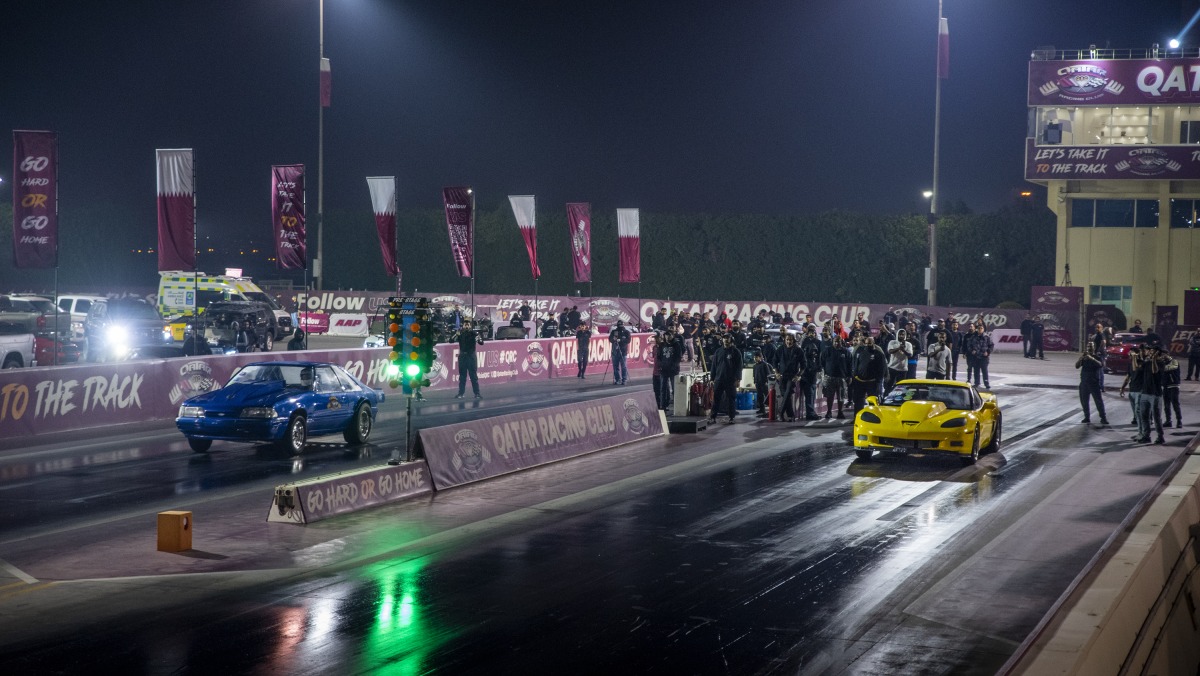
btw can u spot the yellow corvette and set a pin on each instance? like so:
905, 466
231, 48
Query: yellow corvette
923, 416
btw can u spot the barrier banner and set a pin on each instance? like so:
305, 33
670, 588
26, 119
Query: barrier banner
1007, 340
35, 199
479, 449
347, 325
314, 322
1061, 310
287, 216
344, 492
1179, 343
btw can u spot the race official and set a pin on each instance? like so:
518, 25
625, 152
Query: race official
583, 341
1090, 368
468, 339
619, 339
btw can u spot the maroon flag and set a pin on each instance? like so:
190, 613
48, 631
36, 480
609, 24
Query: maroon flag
460, 220
629, 242
176, 210
579, 220
526, 215
35, 199
383, 203
326, 83
287, 216
943, 66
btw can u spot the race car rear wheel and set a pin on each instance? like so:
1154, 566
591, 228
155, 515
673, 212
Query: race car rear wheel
200, 445
358, 430
295, 436
864, 454
994, 443
968, 460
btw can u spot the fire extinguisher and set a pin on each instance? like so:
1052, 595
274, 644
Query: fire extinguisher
771, 404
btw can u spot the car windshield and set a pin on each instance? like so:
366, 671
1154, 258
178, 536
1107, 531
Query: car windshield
132, 311
951, 396
40, 304
292, 375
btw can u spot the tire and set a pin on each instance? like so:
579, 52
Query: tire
358, 430
200, 445
268, 342
864, 454
12, 362
295, 436
994, 444
969, 460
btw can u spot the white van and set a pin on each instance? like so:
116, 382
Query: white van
178, 293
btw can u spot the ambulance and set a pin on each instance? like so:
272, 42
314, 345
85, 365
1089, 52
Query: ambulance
178, 293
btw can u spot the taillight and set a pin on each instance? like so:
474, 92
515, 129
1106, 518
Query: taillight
41, 321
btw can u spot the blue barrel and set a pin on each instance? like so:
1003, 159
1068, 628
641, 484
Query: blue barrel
745, 401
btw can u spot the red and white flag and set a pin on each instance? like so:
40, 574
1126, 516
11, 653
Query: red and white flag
579, 221
326, 83
943, 48
35, 199
176, 209
525, 213
383, 203
629, 241
460, 221
287, 216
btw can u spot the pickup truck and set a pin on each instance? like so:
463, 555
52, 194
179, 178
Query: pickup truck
35, 313
16, 346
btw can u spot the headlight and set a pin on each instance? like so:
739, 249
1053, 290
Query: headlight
258, 412
955, 422
869, 417
191, 412
117, 334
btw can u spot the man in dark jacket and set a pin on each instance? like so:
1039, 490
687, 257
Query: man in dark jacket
467, 339
727, 377
550, 327
659, 321
1036, 332
619, 338
1026, 331
583, 340
1194, 356
811, 347
762, 383
835, 365
668, 351
954, 337
867, 369
978, 347
1090, 368
789, 363
573, 318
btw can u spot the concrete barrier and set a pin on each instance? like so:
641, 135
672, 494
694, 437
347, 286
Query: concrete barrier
1137, 611
321, 497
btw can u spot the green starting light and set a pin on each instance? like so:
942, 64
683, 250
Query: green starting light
412, 370
392, 371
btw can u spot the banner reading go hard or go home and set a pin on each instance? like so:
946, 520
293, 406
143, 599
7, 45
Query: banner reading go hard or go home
35, 199
479, 449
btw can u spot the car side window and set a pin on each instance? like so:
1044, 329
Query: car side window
347, 382
82, 306
327, 381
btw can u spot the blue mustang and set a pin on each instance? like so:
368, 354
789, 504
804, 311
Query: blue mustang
283, 403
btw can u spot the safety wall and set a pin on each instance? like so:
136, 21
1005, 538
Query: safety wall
56, 399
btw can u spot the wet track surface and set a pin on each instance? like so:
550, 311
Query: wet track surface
751, 548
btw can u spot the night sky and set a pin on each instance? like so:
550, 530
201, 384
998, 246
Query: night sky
768, 107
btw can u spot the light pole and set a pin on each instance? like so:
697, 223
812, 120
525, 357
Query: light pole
319, 265
943, 66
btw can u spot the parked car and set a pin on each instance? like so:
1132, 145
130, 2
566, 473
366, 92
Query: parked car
45, 346
114, 326
16, 346
246, 325
1117, 359
930, 416
78, 307
283, 403
36, 313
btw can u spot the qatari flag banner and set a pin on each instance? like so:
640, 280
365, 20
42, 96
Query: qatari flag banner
629, 242
579, 219
35, 199
287, 216
526, 215
176, 210
383, 203
460, 220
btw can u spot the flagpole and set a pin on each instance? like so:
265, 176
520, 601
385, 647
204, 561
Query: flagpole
931, 298
471, 191
319, 262
195, 251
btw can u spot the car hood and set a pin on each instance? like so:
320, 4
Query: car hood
916, 414
242, 394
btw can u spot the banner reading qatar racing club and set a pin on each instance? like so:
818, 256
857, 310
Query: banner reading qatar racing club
176, 209
287, 216
460, 221
35, 199
579, 221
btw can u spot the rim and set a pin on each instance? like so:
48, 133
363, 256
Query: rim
364, 423
297, 433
